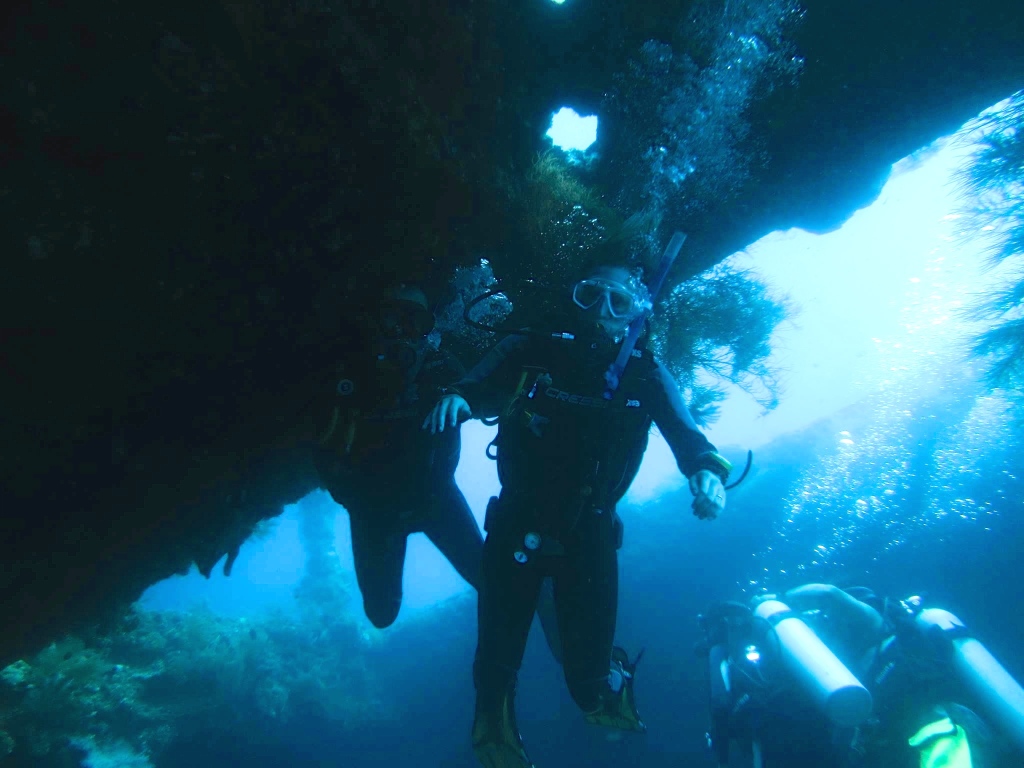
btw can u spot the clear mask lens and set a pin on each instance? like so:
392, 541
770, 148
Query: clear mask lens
588, 293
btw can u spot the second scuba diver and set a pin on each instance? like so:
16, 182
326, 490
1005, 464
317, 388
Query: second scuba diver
568, 447
375, 461
843, 679
391, 477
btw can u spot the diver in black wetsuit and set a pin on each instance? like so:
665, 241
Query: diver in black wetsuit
393, 478
566, 455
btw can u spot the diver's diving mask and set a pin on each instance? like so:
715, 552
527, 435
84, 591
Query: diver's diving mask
622, 301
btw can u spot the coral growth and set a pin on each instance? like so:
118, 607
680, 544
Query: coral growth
994, 205
123, 698
722, 322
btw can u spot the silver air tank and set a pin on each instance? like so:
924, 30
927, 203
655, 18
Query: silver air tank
833, 687
999, 696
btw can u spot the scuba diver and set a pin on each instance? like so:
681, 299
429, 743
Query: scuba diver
844, 679
374, 460
572, 429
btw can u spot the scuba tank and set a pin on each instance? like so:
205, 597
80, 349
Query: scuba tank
820, 674
998, 694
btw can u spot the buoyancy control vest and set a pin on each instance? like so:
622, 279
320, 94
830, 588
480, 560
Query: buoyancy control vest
559, 438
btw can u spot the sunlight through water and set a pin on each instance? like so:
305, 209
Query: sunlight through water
570, 131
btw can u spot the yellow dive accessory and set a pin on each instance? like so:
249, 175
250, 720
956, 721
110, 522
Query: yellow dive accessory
618, 708
720, 459
497, 744
942, 744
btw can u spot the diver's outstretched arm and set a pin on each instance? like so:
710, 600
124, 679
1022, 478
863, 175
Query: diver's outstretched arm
858, 618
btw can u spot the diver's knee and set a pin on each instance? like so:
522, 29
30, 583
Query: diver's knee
382, 613
586, 691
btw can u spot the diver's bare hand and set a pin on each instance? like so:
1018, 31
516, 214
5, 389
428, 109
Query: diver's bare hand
449, 411
708, 495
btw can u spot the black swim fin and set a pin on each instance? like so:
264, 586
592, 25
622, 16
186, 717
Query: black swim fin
618, 708
496, 739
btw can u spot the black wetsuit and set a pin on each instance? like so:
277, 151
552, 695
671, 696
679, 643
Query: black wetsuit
393, 477
565, 458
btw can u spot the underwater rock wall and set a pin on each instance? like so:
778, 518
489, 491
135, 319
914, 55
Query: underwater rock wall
194, 194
